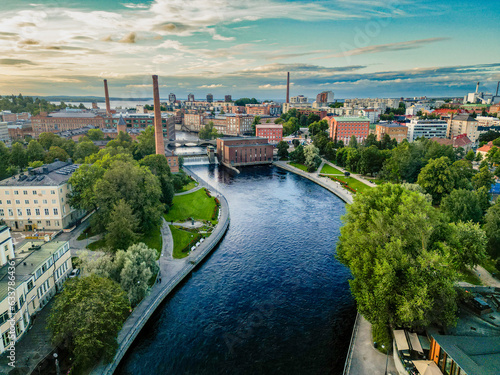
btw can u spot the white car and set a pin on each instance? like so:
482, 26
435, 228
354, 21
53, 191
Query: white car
74, 273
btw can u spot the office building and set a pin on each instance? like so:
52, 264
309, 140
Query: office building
325, 97
172, 98
463, 124
343, 128
210, 98
426, 128
241, 151
394, 130
190, 98
272, 132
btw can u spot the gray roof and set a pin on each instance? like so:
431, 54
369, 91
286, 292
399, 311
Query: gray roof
240, 138
73, 114
250, 145
475, 355
464, 117
393, 125
53, 174
27, 262
121, 121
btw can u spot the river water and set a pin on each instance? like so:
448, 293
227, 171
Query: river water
271, 299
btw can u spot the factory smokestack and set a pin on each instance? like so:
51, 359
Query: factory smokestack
160, 146
288, 87
498, 84
106, 94
477, 88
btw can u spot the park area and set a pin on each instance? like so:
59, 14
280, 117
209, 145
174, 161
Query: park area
328, 169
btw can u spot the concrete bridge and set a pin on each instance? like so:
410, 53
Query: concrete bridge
199, 142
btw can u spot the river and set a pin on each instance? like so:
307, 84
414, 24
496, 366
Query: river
271, 299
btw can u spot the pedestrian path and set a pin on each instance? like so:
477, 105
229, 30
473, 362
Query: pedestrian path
189, 191
353, 175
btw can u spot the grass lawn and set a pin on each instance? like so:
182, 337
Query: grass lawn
489, 265
99, 244
355, 184
471, 278
153, 240
196, 205
189, 186
300, 166
328, 169
181, 238
88, 232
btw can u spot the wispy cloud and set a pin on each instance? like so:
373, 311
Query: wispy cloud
212, 86
16, 62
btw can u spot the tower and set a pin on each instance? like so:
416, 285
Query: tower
288, 87
159, 144
106, 94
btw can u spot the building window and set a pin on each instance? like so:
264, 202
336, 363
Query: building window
9, 202
16, 192
7, 193
11, 213
47, 223
44, 201
25, 192
2, 212
55, 211
46, 210
26, 202
28, 211
6, 338
19, 212
35, 201
18, 201
53, 192
34, 192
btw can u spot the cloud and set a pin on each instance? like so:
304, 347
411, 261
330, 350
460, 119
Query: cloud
400, 46
273, 87
283, 68
129, 38
16, 62
135, 6
212, 86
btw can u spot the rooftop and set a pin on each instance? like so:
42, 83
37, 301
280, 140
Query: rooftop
273, 126
53, 174
392, 125
73, 114
241, 138
352, 119
251, 145
28, 259
464, 117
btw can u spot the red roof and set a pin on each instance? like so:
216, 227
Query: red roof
487, 147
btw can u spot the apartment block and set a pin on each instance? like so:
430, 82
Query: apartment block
343, 128
463, 124
394, 130
39, 269
427, 129
4, 134
39, 199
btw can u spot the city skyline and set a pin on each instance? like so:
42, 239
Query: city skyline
356, 48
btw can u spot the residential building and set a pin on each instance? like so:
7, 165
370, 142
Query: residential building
298, 99
8, 116
40, 271
325, 97
190, 98
394, 130
273, 132
308, 111
459, 141
463, 124
416, 108
4, 134
6, 246
141, 121
194, 121
172, 98
210, 98
19, 129
265, 109
373, 114
426, 128
343, 128
232, 124
227, 98
39, 198
240, 151
173, 163
483, 150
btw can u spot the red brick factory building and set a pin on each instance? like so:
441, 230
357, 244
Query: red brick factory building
241, 151
273, 132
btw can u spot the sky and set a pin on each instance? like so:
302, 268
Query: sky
355, 48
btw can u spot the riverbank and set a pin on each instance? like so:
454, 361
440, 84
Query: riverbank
172, 272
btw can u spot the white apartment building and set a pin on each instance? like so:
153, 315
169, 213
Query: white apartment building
463, 124
39, 270
414, 109
4, 134
38, 199
427, 129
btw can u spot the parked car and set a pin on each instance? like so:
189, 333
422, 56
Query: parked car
74, 273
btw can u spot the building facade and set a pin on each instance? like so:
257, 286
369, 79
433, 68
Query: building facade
241, 151
4, 134
343, 128
210, 98
463, 124
325, 97
40, 270
273, 132
59, 121
194, 121
39, 199
394, 130
232, 124
427, 129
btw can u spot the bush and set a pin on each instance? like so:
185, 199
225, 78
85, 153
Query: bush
382, 336
215, 214
217, 202
193, 242
208, 193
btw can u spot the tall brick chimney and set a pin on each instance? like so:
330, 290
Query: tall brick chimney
288, 87
160, 145
106, 94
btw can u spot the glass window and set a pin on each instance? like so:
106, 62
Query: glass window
55, 211
18, 201
26, 202
441, 360
37, 211
19, 212
52, 192
25, 192
9, 202
34, 192
16, 192
46, 211
28, 211
35, 202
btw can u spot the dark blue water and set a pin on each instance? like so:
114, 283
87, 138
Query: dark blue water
271, 299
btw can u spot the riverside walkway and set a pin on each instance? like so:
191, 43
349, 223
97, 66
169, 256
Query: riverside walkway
172, 272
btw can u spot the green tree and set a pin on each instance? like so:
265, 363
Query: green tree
283, 149
464, 173
158, 165
483, 179
86, 318
256, 121
318, 127
35, 151
95, 134
4, 161
56, 152
437, 178
208, 132
146, 143
330, 152
470, 156
137, 265
353, 143
47, 140
312, 158
371, 160
122, 228
462, 205
468, 245
18, 156
297, 155
391, 241
84, 149
492, 229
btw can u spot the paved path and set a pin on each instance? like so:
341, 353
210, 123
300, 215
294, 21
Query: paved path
189, 224
356, 176
325, 182
486, 277
189, 191
363, 358
172, 272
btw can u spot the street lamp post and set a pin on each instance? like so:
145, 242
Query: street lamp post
58, 371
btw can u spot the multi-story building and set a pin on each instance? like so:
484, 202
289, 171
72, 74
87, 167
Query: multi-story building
19, 129
8, 116
39, 199
373, 114
194, 121
142, 121
265, 109
190, 98
394, 130
64, 120
227, 98
240, 151
325, 97
463, 124
308, 111
4, 134
426, 128
40, 270
232, 124
210, 98
343, 128
6, 246
172, 98
273, 132
298, 99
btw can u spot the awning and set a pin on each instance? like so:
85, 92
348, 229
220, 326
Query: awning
415, 344
427, 368
401, 343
